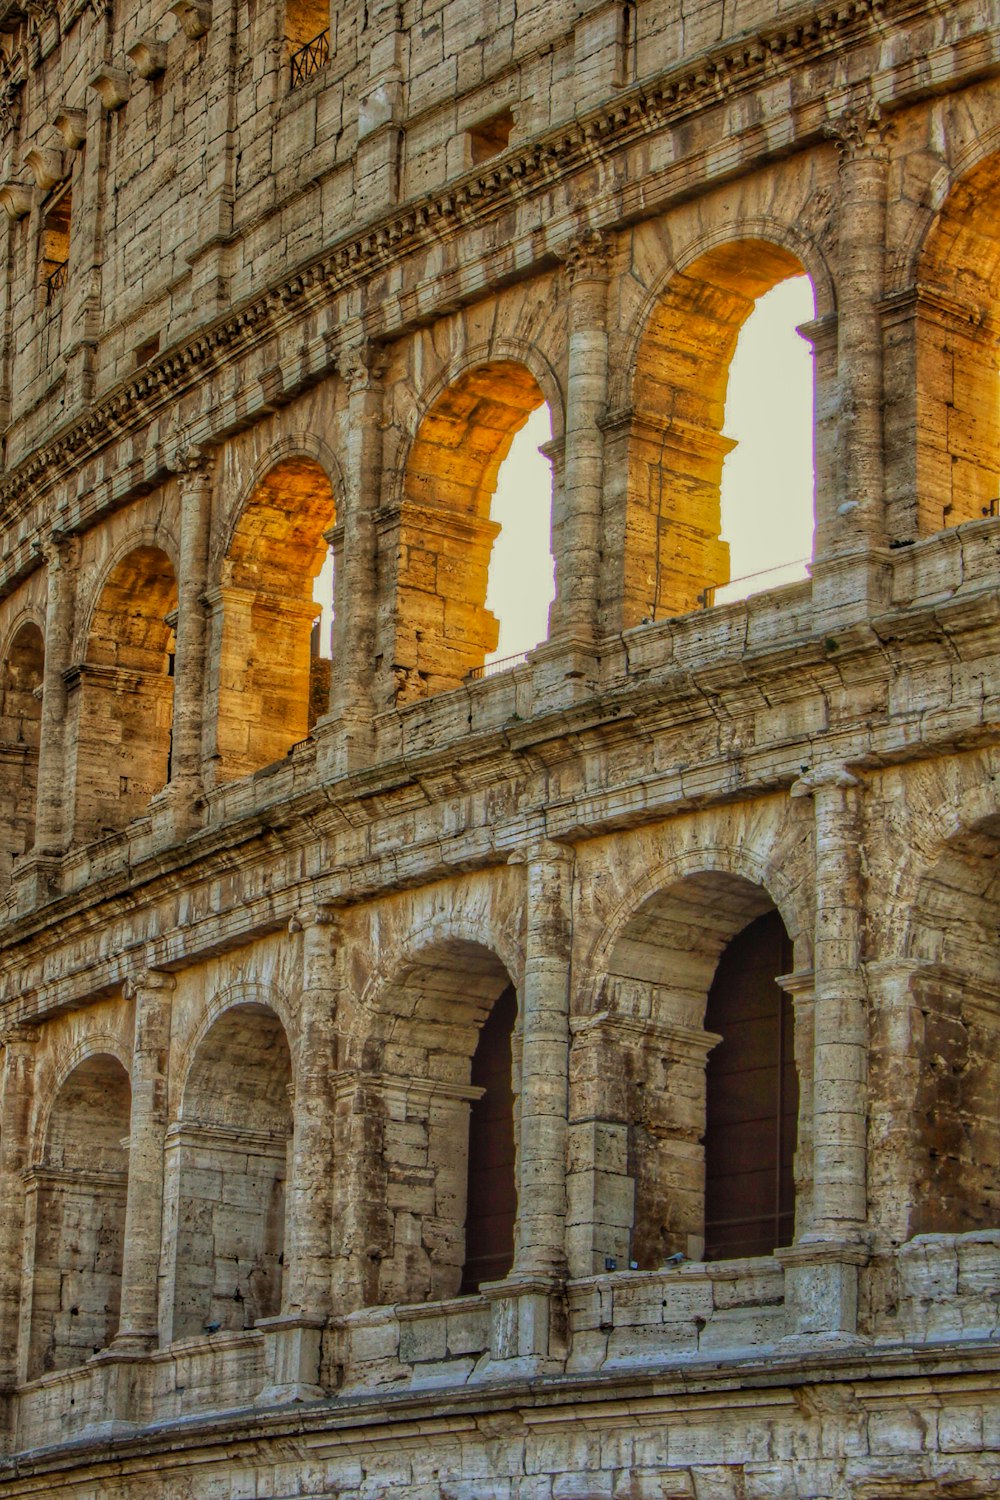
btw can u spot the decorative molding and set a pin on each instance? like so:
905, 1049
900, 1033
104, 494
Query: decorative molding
46, 165
15, 199
862, 133
194, 16
71, 124
148, 57
113, 85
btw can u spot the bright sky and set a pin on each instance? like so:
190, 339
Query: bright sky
767, 481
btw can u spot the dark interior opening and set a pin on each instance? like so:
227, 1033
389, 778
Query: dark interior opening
492, 1192
752, 1100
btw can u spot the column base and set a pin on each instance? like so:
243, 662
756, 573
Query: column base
527, 1327
35, 879
176, 812
343, 745
821, 1288
292, 1347
564, 672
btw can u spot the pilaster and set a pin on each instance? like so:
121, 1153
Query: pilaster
18, 1043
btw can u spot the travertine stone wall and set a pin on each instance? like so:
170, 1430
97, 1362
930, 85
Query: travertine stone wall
259, 892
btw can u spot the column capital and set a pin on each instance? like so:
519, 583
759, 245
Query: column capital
322, 914
823, 777
363, 366
587, 258
148, 982
18, 1032
861, 133
539, 848
193, 464
60, 549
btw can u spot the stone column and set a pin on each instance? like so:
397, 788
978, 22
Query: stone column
824, 1263
576, 529
62, 559
541, 1210
15, 1110
355, 582
137, 1322
195, 485
310, 1189
862, 139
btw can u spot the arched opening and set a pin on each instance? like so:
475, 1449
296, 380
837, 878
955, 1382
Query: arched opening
274, 663
227, 1162
522, 575
124, 695
20, 721
751, 1097
675, 553
491, 1192
935, 1077
307, 38
444, 630
944, 400
702, 951
448, 1047
77, 1195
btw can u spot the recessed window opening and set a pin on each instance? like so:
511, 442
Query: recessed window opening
767, 479
521, 582
147, 350
751, 1097
20, 722
307, 39
491, 137
491, 1198
626, 71
54, 261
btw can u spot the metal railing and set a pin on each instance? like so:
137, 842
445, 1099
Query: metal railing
494, 668
309, 59
55, 281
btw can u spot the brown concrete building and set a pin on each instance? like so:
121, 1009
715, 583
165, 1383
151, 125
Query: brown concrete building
574, 1081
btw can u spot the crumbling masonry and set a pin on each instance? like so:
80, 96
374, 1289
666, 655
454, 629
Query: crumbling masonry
579, 1081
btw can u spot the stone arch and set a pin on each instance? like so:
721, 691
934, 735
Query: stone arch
244, 992
122, 692
943, 407
785, 237
425, 1025
227, 1163
22, 667
272, 680
935, 1072
76, 1214
638, 1187
158, 538
294, 445
442, 542
664, 515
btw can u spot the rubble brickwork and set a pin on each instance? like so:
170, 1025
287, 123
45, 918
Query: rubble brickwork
281, 283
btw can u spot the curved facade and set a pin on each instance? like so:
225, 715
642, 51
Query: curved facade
574, 1077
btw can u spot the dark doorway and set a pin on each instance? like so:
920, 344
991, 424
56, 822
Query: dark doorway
752, 1100
492, 1192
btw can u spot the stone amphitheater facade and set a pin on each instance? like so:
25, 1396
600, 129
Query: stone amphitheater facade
278, 281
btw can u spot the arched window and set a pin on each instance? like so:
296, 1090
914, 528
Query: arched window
123, 695
274, 666
446, 1142
675, 553
447, 528
685, 1085
226, 1161
943, 406
78, 1191
20, 719
752, 1097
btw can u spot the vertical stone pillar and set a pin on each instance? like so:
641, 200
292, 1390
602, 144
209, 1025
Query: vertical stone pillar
355, 583
310, 1192
541, 1208
15, 1110
862, 139
138, 1318
62, 560
576, 526
823, 1292
195, 485
293, 1338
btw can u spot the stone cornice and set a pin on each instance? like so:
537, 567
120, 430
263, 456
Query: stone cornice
712, 77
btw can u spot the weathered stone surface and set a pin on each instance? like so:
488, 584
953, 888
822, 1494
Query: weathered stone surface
295, 284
